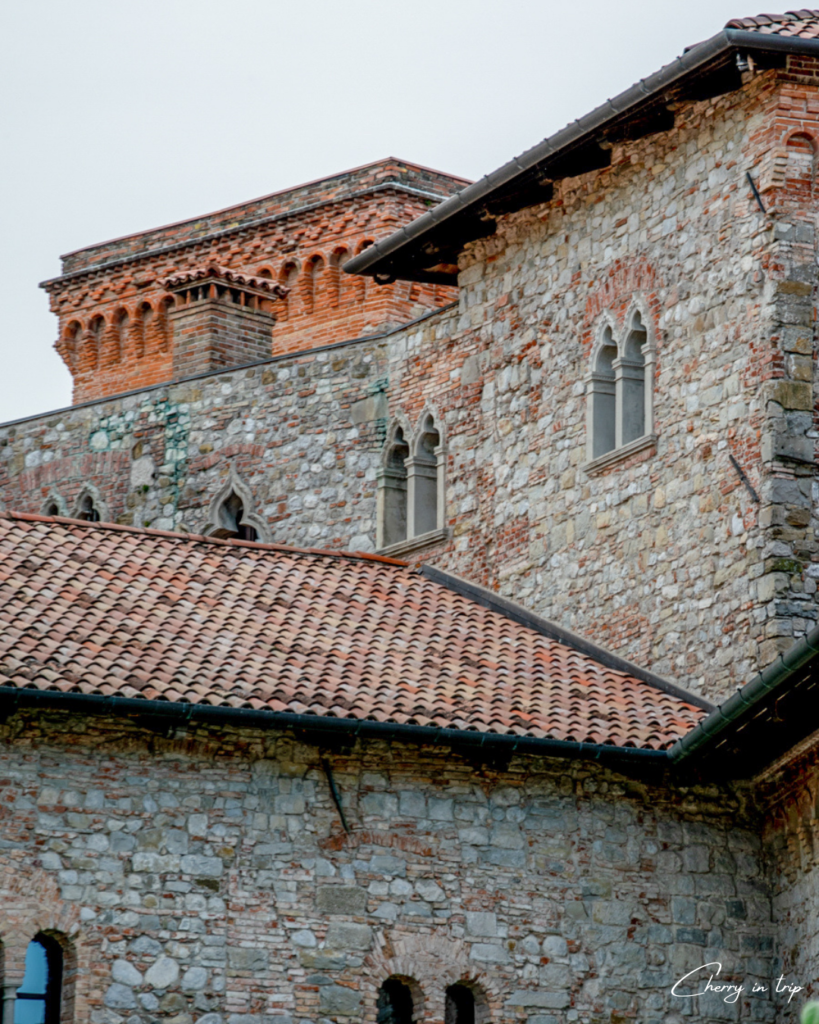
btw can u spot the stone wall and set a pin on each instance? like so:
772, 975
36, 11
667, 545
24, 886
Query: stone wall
205, 877
790, 797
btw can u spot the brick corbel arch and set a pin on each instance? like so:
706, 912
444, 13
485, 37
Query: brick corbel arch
428, 964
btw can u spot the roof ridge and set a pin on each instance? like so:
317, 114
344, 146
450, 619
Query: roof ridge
31, 517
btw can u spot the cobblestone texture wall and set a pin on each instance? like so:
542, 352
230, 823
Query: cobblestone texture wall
790, 798
206, 878
664, 556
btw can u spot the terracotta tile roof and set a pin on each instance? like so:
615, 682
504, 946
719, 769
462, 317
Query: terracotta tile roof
804, 24
119, 611
212, 270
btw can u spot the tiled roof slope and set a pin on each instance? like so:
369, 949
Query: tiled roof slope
803, 24
118, 611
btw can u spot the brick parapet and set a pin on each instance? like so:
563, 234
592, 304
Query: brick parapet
112, 307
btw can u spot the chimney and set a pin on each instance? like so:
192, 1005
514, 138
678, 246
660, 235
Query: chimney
222, 318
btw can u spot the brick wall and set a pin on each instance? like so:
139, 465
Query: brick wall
205, 876
114, 332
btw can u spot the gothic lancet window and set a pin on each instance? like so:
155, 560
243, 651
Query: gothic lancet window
619, 396
395, 1005
88, 510
393, 493
411, 487
232, 520
601, 387
423, 480
37, 1001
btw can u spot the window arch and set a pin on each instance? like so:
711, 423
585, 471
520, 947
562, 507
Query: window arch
90, 506
411, 505
230, 515
422, 481
459, 1005
392, 492
630, 370
601, 391
619, 391
395, 1003
37, 1000
54, 505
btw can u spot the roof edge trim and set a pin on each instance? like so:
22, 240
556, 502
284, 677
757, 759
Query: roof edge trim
314, 725
368, 261
524, 617
771, 678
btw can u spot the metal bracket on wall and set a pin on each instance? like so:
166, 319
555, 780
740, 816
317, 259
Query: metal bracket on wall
741, 474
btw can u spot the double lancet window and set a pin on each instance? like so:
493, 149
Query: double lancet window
411, 486
619, 393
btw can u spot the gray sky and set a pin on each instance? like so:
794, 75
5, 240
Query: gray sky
121, 116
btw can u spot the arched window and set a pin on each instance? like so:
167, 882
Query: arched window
460, 1005
392, 493
422, 481
601, 389
631, 380
395, 1005
336, 285
37, 1000
231, 516
619, 396
88, 510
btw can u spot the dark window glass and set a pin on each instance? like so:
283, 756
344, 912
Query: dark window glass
394, 1003
460, 1005
38, 999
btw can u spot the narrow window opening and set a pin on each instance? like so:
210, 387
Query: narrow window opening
37, 1001
394, 492
424, 469
460, 1005
52, 509
603, 398
231, 514
88, 510
632, 371
394, 1003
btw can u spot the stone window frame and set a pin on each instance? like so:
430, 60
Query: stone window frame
597, 384
54, 499
417, 466
235, 485
92, 492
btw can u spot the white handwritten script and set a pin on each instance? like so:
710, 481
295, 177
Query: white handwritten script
729, 991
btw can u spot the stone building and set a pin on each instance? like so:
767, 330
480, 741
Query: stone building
574, 400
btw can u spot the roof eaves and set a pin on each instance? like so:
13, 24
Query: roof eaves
319, 728
374, 259
775, 677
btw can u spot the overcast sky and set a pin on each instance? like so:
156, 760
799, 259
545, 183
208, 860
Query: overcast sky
121, 116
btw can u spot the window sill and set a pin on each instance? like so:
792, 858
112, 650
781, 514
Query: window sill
619, 454
415, 544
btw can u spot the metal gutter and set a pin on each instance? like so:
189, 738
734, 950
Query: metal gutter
768, 680
512, 610
646, 89
13, 699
